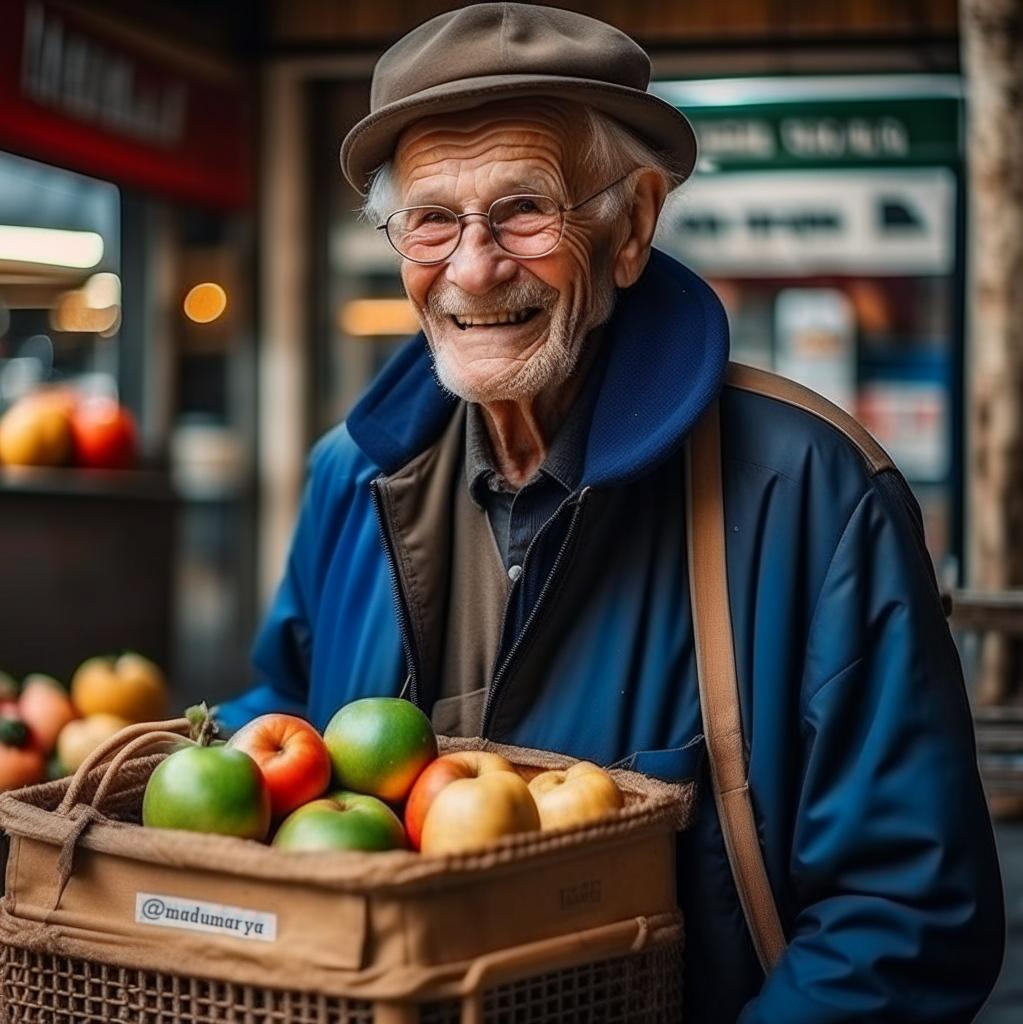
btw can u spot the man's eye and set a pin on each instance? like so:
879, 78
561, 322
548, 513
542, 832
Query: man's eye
525, 205
426, 219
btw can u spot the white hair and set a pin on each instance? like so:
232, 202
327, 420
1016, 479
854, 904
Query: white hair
613, 151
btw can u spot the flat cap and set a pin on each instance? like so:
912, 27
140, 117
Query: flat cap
486, 52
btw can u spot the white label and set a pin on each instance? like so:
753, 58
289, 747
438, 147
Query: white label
200, 916
894, 221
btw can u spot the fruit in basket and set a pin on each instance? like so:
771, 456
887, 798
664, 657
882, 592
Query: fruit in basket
46, 708
129, 686
208, 789
379, 745
36, 431
574, 796
470, 813
104, 434
22, 763
292, 757
342, 821
464, 764
80, 737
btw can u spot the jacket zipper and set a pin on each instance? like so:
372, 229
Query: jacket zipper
502, 672
412, 680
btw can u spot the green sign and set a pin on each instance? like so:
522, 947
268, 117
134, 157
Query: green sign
823, 131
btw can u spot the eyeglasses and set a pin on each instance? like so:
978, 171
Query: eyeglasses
526, 226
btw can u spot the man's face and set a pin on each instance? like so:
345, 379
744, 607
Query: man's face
501, 327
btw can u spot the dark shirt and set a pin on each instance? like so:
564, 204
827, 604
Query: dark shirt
516, 515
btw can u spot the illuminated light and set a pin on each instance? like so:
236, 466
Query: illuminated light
102, 291
115, 325
54, 247
74, 314
370, 317
205, 302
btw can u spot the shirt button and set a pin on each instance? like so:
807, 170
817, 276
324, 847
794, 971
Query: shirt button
514, 572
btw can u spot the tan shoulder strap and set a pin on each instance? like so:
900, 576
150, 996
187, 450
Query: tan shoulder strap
719, 687
772, 385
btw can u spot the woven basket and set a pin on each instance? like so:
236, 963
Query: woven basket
579, 925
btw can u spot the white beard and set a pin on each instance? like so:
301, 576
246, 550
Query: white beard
548, 368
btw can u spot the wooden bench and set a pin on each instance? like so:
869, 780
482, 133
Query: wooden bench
999, 728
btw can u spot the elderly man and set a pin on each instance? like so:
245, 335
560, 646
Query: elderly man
499, 530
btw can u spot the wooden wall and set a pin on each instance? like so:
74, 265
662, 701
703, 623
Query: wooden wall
664, 22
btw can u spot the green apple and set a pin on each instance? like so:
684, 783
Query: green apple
208, 789
341, 821
379, 745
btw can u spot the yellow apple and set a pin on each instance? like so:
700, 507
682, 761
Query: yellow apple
79, 738
469, 813
464, 764
35, 431
130, 687
574, 796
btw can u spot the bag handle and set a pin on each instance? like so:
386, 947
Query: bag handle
719, 686
125, 742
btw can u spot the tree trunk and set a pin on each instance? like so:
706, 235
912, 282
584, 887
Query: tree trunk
992, 41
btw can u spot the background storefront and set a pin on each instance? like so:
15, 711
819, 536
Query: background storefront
828, 214
141, 148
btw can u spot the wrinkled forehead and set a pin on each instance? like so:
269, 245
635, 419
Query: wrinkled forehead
489, 151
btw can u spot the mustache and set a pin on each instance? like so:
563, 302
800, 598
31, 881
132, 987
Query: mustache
449, 300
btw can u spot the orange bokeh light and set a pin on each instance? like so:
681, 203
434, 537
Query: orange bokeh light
205, 302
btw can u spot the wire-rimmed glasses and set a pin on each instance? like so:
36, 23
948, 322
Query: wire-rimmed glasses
526, 226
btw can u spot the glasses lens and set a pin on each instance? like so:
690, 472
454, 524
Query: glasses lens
424, 233
526, 225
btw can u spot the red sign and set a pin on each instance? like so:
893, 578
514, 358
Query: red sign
74, 93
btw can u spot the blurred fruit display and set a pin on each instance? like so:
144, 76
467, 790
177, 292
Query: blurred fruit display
45, 707
58, 428
104, 434
129, 686
78, 739
47, 731
36, 431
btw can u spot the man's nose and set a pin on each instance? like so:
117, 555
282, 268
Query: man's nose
479, 263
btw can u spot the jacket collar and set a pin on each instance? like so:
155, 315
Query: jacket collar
668, 349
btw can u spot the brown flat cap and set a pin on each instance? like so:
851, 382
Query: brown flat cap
488, 52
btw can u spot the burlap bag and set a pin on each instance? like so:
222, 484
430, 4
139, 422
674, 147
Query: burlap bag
150, 921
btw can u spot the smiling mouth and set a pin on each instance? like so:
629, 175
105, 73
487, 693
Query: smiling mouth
508, 318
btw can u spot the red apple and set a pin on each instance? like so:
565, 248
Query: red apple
290, 754
22, 763
470, 813
467, 764
46, 708
341, 821
105, 436
574, 796
379, 745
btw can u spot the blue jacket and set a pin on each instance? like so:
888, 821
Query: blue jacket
863, 773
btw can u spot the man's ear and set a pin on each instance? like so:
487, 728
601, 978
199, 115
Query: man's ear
648, 197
